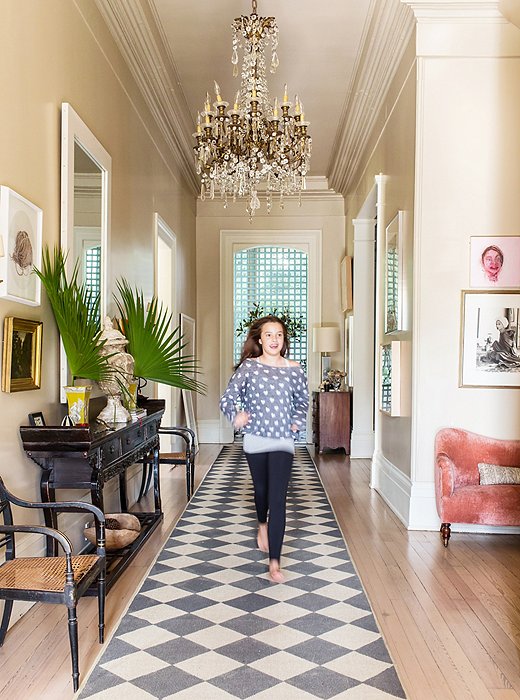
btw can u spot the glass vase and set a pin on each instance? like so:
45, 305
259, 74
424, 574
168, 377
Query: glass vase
78, 398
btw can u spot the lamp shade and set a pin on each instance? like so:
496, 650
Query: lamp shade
325, 339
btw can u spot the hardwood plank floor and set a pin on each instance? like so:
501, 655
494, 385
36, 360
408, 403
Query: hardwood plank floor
450, 617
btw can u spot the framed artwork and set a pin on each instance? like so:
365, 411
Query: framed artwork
36, 419
187, 327
22, 354
394, 275
189, 414
395, 378
495, 262
345, 274
490, 325
348, 348
21, 227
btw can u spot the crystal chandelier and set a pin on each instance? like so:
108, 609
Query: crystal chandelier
255, 141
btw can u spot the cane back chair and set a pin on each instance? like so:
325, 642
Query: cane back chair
55, 579
186, 458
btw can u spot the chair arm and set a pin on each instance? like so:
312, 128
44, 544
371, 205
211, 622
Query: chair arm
65, 506
48, 531
186, 433
446, 474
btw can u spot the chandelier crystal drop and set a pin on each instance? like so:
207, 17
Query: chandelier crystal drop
256, 143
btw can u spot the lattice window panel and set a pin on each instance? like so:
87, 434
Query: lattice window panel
92, 270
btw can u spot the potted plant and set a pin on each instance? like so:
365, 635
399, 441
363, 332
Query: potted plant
76, 312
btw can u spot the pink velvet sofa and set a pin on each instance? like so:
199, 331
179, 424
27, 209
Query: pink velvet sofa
460, 496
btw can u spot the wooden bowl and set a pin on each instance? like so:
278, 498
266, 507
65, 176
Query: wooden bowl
121, 529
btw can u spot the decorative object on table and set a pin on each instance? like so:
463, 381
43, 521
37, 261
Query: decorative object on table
78, 398
130, 397
21, 224
394, 275
490, 340
76, 312
121, 529
295, 324
333, 380
325, 340
22, 354
495, 262
346, 283
122, 363
36, 419
252, 143
156, 348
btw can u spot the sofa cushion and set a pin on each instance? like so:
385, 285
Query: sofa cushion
497, 474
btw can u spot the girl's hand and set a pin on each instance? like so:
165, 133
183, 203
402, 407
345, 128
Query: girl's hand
241, 419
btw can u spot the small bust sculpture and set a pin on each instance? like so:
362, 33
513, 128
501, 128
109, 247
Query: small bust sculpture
123, 365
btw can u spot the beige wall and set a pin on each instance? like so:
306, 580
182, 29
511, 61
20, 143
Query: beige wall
391, 151
61, 51
316, 213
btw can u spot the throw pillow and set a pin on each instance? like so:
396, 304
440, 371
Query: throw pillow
496, 474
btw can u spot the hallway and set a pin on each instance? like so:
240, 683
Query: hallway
450, 617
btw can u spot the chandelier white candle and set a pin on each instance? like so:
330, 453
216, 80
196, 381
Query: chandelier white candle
254, 142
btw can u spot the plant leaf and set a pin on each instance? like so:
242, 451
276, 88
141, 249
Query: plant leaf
156, 349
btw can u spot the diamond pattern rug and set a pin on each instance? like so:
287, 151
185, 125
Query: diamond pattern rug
208, 623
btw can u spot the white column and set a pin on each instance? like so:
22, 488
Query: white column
362, 442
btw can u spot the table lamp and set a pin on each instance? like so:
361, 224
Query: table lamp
325, 339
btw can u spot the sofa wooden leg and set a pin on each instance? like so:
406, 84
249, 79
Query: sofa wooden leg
445, 533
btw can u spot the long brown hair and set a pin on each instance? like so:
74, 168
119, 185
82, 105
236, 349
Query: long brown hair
252, 346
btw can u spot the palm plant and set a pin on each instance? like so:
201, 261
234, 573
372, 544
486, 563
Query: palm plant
156, 349
76, 311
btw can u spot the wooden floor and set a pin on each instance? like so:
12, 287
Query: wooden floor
450, 617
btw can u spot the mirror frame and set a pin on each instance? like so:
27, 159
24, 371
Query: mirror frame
74, 130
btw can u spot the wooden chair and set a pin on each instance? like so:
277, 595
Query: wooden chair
186, 458
54, 579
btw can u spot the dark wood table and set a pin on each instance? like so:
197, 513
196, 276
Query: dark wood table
331, 420
85, 458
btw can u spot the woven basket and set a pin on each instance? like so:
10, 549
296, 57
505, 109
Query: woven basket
121, 530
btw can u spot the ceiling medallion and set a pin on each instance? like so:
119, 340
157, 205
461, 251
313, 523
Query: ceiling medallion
255, 144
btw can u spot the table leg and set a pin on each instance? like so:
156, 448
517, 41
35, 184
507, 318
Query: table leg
123, 500
156, 485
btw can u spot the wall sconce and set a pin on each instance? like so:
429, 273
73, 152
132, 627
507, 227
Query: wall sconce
325, 339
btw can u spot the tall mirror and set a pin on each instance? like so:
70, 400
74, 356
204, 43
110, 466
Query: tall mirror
85, 209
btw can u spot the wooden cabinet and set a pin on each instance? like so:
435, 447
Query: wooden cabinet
331, 420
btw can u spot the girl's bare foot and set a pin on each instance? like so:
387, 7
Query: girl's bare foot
262, 539
275, 574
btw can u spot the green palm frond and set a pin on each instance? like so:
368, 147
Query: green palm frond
156, 349
76, 311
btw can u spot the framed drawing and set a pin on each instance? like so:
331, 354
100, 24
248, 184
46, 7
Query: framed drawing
395, 378
36, 419
21, 227
345, 275
187, 327
394, 275
490, 354
22, 355
495, 262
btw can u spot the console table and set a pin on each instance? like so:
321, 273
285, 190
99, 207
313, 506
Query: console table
331, 420
86, 458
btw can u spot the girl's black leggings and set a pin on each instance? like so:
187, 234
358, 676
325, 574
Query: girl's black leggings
271, 472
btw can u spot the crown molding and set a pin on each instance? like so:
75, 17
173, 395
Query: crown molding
139, 37
387, 32
458, 10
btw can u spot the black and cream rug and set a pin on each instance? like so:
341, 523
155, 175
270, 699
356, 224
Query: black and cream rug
208, 623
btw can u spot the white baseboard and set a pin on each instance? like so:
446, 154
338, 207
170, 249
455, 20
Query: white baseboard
393, 486
212, 431
362, 445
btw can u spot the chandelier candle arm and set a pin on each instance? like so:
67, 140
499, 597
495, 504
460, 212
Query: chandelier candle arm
239, 149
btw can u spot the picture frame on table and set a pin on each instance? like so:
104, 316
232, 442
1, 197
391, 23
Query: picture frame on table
22, 354
345, 276
20, 248
36, 419
489, 339
495, 262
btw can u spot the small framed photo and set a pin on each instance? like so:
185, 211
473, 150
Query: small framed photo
495, 262
490, 352
21, 231
22, 354
345, 276
37, 419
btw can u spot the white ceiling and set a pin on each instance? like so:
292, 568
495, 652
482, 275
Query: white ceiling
319, 43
